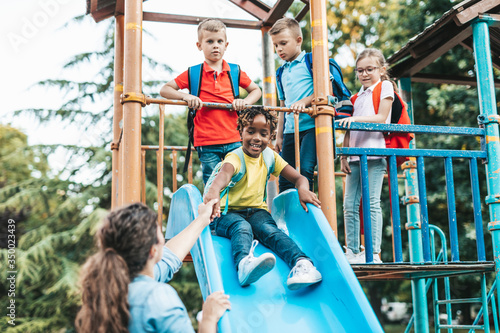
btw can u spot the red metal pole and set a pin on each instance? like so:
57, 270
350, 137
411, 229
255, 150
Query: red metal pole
324, 132
132, 109
116, 198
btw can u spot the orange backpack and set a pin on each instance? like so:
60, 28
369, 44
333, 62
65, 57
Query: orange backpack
399, 115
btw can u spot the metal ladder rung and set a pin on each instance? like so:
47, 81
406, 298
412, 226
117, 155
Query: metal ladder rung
469, 327
459, 301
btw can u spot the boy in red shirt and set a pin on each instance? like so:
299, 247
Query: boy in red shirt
215, 132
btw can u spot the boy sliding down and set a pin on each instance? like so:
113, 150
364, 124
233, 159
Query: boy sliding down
215, 131
248, 216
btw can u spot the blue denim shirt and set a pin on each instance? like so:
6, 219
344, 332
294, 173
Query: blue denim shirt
154, 305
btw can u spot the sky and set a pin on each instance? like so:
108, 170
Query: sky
35, 45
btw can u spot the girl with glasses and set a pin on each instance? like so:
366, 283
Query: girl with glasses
371, 71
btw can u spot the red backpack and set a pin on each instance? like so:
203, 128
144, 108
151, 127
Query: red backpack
399, 115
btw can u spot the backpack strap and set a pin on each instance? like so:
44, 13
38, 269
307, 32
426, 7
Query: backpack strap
234, 77
235, 178
194, 78
194, 84
308, 60
279, 74
269, 161
376, 96
354, 98
397, 107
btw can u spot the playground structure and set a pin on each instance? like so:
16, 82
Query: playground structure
472, 23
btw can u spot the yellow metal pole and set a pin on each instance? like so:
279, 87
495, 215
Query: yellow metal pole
324, 132
131, 189
143, 176
159, 164
269, 97
116, 199
296, 140
190, 171
174, 170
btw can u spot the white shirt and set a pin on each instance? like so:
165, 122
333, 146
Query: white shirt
363, 106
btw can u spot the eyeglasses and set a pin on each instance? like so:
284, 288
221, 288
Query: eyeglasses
368, 70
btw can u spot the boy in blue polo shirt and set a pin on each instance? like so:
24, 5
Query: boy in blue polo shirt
297, 94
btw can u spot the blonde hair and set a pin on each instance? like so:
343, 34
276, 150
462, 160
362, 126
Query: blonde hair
379, 57
286, 23
212, 25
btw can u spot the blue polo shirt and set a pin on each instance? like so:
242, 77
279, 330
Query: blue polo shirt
297, 84
154, 305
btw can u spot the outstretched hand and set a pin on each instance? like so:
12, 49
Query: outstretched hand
215, 305
213, 196
205, 209
306, 196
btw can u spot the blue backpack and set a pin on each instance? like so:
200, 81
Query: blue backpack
194, 78
341, 95
269, 161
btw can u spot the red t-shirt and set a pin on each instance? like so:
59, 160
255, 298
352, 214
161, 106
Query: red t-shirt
215, 126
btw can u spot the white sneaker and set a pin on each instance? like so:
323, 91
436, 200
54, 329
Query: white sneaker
303, 274
251, 268
355, 258
376, 259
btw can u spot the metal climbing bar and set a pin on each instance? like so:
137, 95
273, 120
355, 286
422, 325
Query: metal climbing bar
478, 216
395, 213
452, 212
421, 196
365, 196
424, 216
150, 100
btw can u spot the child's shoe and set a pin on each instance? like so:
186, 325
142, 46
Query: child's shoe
303, 274
355, 258
376, 259
251, 268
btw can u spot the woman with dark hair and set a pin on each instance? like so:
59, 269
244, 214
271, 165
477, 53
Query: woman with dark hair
123, 287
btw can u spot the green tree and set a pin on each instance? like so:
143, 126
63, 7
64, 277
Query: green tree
57, 211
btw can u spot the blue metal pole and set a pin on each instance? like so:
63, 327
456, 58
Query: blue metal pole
488, 110
396, 216
452, 211
365, 197
423, 209
413, 225
478, 215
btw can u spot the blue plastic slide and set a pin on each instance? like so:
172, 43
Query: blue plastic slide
337, 304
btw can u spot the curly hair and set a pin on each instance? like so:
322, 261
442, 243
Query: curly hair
247, 116
124, 240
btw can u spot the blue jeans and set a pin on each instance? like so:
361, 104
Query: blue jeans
308, 160
240, 226
211, 155
376, 171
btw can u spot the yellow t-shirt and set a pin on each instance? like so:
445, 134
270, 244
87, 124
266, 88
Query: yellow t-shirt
249, 191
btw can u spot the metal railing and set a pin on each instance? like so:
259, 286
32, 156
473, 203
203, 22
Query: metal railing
417, 162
